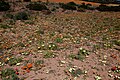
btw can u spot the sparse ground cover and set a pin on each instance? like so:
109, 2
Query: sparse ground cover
65, 45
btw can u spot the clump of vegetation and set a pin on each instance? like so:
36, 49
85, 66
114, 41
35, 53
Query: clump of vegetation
49, 46
49, 54
27, 0
82, 53
21, 16
9, 74
8, 15
52, 46
69, 6
86, 6
117, 42
14, 61
40, 31
4, 6
59, 40
38, 6
108, 8
21, 44
75, 72
5, 26
38, 62
81, 9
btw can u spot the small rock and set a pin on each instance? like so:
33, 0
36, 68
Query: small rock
18, 64
98, 78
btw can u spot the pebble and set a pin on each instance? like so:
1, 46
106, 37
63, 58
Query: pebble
110, 75
98, 78
63, 62
18, 64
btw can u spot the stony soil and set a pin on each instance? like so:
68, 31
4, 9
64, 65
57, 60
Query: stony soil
56, 39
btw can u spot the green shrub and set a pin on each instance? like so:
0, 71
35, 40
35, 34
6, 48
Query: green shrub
9, 74
49, 54
14, 61
69, 6
81, 10
21, 16
83, 6
59, 40
108, 8
38, 62
26, 0
8, 15
37, 6
5, 26
4, 6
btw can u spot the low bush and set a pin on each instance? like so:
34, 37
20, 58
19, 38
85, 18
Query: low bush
5, 26
4, 6
83, 5
21, 16
69, 6
108, 8
81, 10
38, 6
9, 74
26, 0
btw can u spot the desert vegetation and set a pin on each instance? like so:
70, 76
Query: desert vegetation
59, 41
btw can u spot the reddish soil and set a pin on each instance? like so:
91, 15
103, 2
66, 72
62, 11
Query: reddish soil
73, 34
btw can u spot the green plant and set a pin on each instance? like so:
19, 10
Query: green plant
75, 72
9, 74
81, 9
38, 62
117, 42
14, 61
40, 31
69, 6
21, 44
52, 46
37, 6
82, 53
49, 54
59, 40
8, 15
21, 16
4, 6
5, 26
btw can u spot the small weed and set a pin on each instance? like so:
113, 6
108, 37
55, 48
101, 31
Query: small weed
83, 51
75, 72
117, 42
108, 45
49, 54
21, 44
5, 26
21, 16
40, 31
59, 40
81, 54
14, 61
9, 74
72, 56
8, 15
38, 62
52, 46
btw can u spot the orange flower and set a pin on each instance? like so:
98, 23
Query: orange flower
24, 67
27, 70
29, 65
